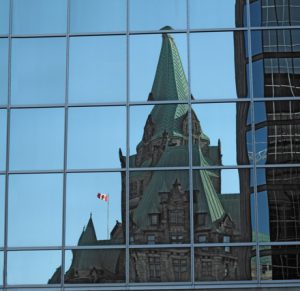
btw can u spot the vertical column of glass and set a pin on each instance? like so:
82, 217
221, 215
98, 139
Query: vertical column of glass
253, 141
65, 165
7, 145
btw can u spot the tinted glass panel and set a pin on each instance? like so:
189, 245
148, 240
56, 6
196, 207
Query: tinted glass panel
159, 207
35, 210
216, 142
225, 263
3, 70
2, 199
162, 74
35, 16
4, 13
95, 137
36, 139
3, 124
97, 69
38, 70
95, 266
277, 135
94, 203
97, 16
165, 265
212, 68
213, 13
279, 204
23, 267
223, 206
275, 13
279, 262
159, 135
145, 15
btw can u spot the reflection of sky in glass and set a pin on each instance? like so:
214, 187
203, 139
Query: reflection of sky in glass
36, 16
97, 69
4, 9
3, 70
144, 14
142, 69
2, 195
3, 121
95, 136
38, 70
1, 268
211, 117
22, 266
37, 139
212, 13
212, 65
82, 201
97, 16
230, 183
35, 210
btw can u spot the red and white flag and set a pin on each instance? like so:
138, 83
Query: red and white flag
103, 196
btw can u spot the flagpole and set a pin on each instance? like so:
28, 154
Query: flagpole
108, 217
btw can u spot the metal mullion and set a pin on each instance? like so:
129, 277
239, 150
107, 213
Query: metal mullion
272, 99
127, 217
95, 247
285, 27
281, 243
224, 100
161, 246
8, 113
249, 38
64, 198
190, 149
278, 166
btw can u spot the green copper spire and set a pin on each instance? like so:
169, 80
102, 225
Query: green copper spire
170, 82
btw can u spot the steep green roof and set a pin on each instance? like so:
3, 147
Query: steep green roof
170, 83
207, 200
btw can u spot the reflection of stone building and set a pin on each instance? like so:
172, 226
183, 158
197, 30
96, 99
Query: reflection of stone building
159, 201
275, 56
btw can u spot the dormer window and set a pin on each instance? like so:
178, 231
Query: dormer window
151, 239
176, 216
226, 239
202, 238
154, 218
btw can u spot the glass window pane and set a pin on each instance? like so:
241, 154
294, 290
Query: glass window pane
3, 129
225, 263
159, 136
35, 210
38, 17
97, 69
4, 16
216, 142
98, 16
145, 15
278, 204
37, 139
95, 137
279, 262
214, 13
277, 137
162, 75
159, 207
3, 70
165, 265
95, 203
38, 70
223, 206
95, 266
213, 65
2, 205
32, 267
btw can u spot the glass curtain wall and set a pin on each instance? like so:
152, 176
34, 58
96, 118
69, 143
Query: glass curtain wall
149, 144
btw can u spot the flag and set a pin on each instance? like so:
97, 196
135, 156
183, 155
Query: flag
102, 197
